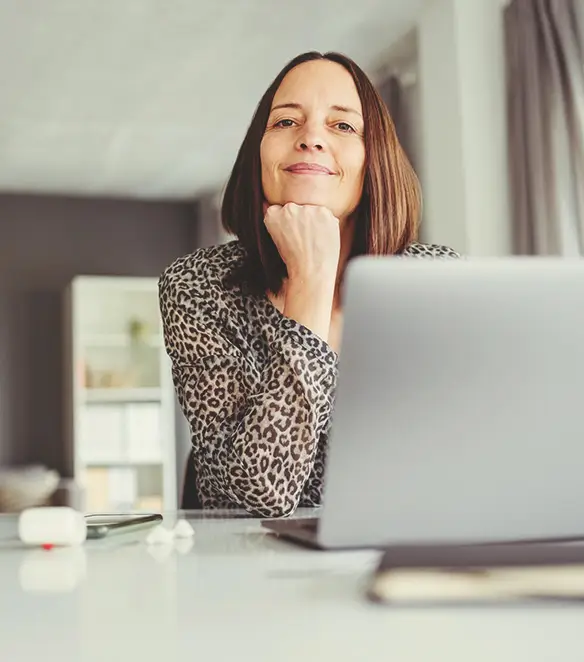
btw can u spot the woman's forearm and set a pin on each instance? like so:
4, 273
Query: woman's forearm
309, 301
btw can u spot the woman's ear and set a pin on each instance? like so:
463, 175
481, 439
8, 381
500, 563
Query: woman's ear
265, 206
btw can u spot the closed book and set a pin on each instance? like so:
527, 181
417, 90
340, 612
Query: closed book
479, 573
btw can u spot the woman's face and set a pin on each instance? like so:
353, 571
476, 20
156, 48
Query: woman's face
313, 150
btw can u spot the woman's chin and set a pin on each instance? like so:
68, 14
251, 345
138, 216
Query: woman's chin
317, 200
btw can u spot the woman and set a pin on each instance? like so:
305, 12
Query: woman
253, 327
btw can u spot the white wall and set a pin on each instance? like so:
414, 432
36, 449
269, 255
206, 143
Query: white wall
464, 140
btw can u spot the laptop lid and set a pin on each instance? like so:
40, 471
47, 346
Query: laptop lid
459, 405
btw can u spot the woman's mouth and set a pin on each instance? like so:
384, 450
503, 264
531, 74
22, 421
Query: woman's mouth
305, 168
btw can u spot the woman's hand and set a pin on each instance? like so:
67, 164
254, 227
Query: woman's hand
308, 239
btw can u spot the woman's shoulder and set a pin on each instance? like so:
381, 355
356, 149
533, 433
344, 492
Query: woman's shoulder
421, 250
203, 272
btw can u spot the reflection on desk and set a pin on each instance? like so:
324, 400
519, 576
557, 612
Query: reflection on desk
239, 593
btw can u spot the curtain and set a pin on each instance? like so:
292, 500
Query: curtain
545, 92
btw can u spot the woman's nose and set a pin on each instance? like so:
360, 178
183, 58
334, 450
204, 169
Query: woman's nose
310, 146
310, 140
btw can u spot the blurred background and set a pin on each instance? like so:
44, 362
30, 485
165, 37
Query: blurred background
119, 123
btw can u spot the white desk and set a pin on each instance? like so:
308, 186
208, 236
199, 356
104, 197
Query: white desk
239, 594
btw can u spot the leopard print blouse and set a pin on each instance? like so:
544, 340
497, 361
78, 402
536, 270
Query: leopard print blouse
256, 387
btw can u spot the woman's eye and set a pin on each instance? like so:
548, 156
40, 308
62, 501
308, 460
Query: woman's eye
343, 126
285, 123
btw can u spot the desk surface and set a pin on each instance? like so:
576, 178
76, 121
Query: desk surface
240, 594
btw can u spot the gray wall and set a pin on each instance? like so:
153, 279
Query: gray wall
44, 242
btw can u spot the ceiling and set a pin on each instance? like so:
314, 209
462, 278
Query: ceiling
151, 98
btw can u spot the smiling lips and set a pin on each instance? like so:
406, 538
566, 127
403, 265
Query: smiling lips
308, 169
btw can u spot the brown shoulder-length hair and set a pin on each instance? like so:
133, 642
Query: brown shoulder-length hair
387, 215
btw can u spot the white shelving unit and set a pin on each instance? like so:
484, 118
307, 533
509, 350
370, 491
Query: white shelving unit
121, 405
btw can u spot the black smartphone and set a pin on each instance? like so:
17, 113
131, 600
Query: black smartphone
100, 526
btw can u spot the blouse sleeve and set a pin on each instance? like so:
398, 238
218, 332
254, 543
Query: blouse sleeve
256, 439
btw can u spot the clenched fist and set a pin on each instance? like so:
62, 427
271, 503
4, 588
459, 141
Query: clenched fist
307, 237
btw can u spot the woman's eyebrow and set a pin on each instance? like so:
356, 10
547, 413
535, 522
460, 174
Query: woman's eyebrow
346, 109
298, 106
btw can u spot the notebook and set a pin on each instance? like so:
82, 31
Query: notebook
486, 573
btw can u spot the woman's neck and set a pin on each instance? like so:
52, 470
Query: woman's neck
347, 236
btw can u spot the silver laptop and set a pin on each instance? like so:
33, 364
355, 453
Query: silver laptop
459, 415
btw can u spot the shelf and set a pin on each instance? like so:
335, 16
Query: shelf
121, 395
116, 340
121, 400
107, 464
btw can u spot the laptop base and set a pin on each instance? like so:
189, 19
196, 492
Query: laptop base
300, 531
304, 532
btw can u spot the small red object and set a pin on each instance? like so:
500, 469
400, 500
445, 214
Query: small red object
48, 545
